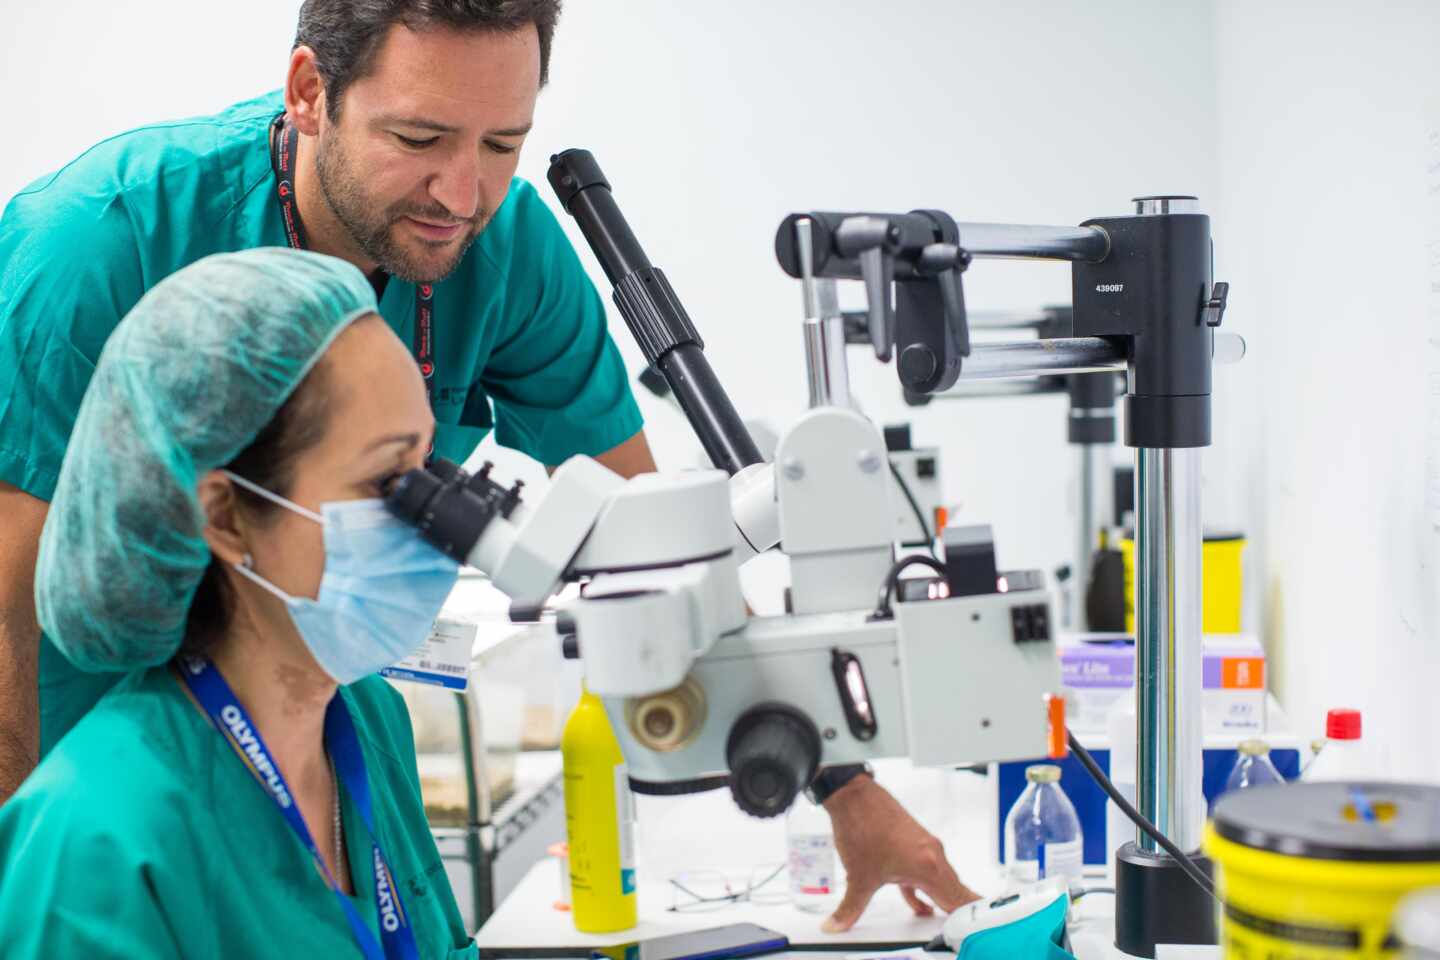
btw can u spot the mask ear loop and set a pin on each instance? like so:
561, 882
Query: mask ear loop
244, 569
247, 563
274, 498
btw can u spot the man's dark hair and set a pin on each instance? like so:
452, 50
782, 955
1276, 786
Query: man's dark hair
346, 33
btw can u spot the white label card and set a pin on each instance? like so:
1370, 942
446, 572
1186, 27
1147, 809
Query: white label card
443, 660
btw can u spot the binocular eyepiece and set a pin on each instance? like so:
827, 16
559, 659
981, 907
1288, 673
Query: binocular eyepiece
449, 507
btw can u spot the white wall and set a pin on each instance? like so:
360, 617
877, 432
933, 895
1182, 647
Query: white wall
715, 120
1322, 231
75, 71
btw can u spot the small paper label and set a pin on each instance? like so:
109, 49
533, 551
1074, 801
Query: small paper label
443, 660
1052, 860
625, 813
812, 864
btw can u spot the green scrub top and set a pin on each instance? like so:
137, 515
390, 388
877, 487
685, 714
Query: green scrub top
520, 338
143, 834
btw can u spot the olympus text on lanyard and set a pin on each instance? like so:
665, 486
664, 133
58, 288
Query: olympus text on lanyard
209, 690
284, 147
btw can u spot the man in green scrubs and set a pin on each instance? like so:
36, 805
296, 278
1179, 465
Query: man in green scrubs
402, 127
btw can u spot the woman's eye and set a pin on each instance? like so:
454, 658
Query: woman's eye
416, 144
386, 484
497, 147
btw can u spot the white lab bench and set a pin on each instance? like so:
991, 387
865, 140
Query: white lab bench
707, 832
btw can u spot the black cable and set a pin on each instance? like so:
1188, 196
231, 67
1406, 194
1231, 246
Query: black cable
925, 533
892, 579
1098, 775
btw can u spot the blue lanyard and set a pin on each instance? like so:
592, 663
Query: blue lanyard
213, 694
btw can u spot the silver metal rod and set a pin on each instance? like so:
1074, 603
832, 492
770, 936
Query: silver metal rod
829, 377
805, 245
1034, 243
1029, 358
826, 371
988, 389
1168, 203
1005, 319
1168, 659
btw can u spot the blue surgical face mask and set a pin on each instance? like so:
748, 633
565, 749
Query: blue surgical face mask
382, 588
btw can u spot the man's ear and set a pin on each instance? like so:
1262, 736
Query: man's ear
304, 92
223, 530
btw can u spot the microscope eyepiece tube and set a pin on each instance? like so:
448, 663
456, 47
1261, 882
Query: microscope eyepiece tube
652, 310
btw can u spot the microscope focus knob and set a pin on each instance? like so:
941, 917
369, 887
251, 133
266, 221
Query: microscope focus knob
565, 629
773, 753
916, 364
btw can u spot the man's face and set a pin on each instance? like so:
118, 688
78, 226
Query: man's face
426, 143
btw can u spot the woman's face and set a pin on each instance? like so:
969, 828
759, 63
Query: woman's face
379, 425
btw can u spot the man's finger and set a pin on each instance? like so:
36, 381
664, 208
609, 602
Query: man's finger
920, 907
857, 898
945, 889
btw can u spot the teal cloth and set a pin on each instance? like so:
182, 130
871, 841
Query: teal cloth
142, 834
521, 341
1037, 937
189, 378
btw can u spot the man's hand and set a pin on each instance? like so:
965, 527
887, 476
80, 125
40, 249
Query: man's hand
19, 637
880, 843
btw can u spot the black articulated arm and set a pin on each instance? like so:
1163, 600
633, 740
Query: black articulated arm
919, 255
652, 311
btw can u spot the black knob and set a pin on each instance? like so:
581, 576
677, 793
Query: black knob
916, 363
512, 499
773, 753
569, 641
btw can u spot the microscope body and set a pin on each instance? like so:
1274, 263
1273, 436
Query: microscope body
701, 694
943, 679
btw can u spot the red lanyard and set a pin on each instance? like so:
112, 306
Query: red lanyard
284, 144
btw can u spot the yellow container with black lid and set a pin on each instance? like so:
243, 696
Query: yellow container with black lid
1315, 871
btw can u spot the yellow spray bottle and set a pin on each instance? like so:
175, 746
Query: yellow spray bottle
600, 821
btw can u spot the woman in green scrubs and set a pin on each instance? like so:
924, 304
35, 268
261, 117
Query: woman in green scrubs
250, 789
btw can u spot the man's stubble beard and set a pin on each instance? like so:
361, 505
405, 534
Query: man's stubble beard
374, 232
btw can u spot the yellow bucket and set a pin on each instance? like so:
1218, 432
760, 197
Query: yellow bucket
1222, 580
1305, 876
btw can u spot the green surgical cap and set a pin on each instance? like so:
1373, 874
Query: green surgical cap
187, 380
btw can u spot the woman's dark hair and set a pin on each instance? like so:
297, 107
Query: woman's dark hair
346, 33
268, 462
